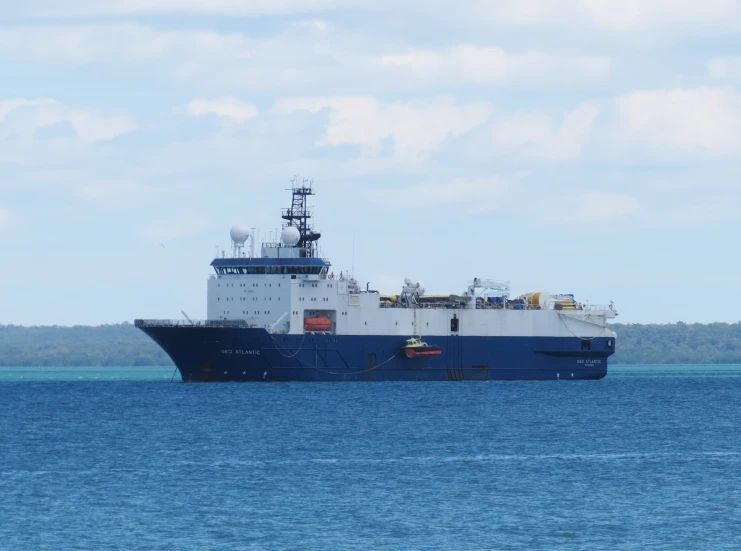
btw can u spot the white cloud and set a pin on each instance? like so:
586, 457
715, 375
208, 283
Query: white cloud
602, 206
589, 206
115, 42
248, 8
627, 15
714, 210
304, 53
475, 193
643, 14
296, 55
494, 66
537, 136
27, 119
725, 68
228, 108
705, 121
317, 26
416, 128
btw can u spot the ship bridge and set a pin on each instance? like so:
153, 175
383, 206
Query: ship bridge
267, 266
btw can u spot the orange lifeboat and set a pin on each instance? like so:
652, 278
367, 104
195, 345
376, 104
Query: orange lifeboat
318, 323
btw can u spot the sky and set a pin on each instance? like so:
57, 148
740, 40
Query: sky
575, 146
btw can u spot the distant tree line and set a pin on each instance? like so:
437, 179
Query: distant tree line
125, 345
81, 345
677, 343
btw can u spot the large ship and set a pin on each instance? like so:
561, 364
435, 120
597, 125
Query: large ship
285, 315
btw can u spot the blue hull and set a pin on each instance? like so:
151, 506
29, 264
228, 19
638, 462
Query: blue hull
219, 354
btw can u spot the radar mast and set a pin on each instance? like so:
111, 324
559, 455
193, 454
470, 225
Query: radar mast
300, 216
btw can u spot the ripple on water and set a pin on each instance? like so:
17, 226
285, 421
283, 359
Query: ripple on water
623, 463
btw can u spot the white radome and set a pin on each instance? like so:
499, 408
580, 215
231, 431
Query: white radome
290, 236
239, 234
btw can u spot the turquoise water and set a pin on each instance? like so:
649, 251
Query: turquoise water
166, 373
87, 374
112, 458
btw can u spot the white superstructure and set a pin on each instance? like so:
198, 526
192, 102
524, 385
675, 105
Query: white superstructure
287, 284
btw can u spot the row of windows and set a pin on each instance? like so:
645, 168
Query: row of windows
245, 285
295, 312
247, 313
245, 298
270, 285
261, 270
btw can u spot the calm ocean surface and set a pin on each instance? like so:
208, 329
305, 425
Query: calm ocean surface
119, 458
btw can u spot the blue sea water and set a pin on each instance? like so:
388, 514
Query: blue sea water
648, 458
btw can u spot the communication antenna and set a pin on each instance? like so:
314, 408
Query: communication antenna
300, 214
252, 242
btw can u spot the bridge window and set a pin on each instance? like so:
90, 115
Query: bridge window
262, 270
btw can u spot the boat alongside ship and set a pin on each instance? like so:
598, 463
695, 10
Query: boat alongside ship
285, 316
415, 348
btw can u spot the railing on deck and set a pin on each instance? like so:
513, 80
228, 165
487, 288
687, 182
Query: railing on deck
194, 323
599, 307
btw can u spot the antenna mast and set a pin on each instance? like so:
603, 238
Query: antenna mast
299, 215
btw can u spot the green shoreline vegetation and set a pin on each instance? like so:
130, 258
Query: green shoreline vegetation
124, 345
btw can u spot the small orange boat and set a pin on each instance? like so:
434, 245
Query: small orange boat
318, 323
415, 348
